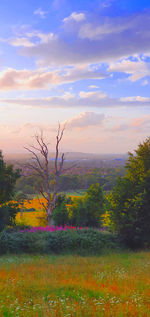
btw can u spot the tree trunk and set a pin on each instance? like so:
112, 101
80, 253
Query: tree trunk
50, 220
49, 215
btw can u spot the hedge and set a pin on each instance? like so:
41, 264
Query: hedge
87, 241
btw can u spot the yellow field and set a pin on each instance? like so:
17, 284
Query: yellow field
35, 203
33, 218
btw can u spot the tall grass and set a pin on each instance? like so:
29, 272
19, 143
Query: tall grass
112, 285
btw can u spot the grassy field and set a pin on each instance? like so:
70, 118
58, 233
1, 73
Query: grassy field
111, 285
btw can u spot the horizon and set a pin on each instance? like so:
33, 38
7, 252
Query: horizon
52, 154
86, 64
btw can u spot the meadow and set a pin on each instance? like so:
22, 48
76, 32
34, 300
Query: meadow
109, 285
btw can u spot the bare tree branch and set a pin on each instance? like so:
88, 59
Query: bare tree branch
40, 165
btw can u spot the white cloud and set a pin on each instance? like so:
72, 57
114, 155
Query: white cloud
135, 125
77, 17
86, 119
92, 94
84, 99
32, 38
95, 32
12, 79
135, 98
93, 87
136, 69
106, 40
41, 13
21, 41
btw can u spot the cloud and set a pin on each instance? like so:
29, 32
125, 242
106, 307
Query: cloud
21, 41
86, 119
31, 39
104, 40
92, 94
107, 3
93, 87
135, 125
136, 69
84, 99
145, 82
41, 13
136, 98
120, 127
12, 79
96, 32
77, 17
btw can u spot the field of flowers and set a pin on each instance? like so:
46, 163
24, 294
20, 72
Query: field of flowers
32, 218
113, 285
52, 229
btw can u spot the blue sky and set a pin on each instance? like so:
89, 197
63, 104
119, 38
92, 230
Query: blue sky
86, 63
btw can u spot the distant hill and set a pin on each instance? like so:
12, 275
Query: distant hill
85, 161
71, 156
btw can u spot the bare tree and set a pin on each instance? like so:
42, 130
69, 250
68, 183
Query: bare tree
40, 165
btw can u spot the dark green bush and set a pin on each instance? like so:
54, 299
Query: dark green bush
7, 215
85, 241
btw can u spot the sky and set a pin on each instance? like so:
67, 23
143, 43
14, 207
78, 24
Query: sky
85, 64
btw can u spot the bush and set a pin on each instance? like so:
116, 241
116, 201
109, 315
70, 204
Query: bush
7, 215
85, 241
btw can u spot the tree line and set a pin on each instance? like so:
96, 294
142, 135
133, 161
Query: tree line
107, 178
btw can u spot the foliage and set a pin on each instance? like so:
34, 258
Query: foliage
7, 215
60, 213
87, 211
85, 241
78, 215
8, 177
106, 177
130, 200
8, 210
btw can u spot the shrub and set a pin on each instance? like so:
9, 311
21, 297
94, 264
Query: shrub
7, 215
85, 241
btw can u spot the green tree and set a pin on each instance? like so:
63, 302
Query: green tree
8, 177
94, 202
87, 211
130, 199
60, 213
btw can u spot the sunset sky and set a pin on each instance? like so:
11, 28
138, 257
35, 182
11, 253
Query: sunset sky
83, 62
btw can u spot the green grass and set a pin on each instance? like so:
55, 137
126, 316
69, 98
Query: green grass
111, 285
79, 192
